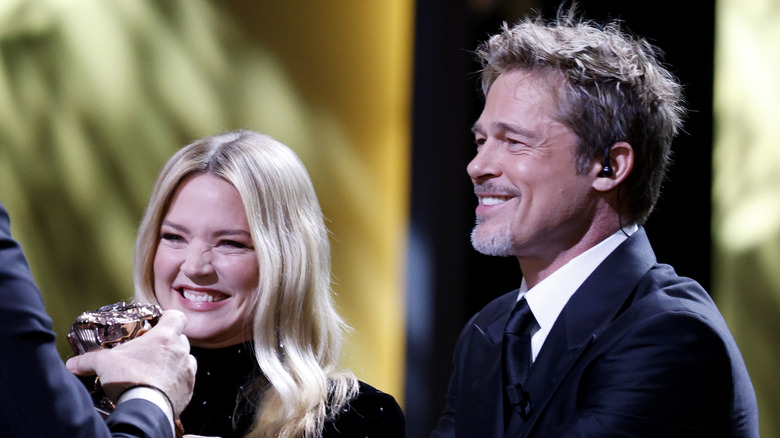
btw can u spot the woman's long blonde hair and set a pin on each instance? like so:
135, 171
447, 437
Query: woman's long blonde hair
297, 331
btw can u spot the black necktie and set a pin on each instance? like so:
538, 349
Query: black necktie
517, 356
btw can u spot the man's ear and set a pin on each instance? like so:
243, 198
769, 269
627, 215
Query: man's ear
621, 161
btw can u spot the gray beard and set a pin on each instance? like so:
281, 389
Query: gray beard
497, 244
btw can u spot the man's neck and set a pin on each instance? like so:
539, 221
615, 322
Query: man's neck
536, 268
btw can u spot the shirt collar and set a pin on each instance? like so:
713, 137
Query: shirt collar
549, 296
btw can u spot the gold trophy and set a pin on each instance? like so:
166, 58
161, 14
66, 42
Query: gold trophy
108, 327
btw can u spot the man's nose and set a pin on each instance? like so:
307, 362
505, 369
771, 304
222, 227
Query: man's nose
486, 164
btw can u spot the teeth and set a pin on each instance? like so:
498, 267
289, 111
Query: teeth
491, 200
198, 297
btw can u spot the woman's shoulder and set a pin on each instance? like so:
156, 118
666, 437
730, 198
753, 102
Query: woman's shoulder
371, 414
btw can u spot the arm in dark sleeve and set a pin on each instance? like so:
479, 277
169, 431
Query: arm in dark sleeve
669, 375
445, 427
38, 396
446, 424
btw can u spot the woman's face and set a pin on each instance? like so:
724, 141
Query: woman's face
205, 264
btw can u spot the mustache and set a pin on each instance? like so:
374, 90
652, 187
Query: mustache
491, 188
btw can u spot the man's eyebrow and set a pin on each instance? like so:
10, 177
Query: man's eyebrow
505, 127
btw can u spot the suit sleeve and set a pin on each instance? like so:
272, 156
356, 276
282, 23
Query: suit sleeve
445, 427
664, 377
38, 396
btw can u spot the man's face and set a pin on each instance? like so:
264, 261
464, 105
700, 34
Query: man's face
532, 202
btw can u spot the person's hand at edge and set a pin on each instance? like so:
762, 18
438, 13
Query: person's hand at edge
159, 359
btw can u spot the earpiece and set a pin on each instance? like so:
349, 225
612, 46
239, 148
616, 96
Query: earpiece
607, 170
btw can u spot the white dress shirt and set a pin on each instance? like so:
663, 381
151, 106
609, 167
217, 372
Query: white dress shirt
153, 396
550, 295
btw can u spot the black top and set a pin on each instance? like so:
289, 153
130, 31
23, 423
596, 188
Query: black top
224, 374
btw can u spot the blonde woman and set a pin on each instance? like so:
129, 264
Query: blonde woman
234, 237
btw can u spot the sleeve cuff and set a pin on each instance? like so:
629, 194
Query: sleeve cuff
154, 396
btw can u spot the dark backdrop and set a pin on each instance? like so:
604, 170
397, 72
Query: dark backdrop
447, 280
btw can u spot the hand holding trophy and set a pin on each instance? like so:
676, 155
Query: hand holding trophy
123, 346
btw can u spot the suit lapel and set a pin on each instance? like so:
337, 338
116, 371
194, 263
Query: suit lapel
491, 320
482, 389
592, 307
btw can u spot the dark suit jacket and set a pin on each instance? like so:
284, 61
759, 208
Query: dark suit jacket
38, 396
636, 352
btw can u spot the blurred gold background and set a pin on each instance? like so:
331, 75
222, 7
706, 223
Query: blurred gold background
746, 190
96, 95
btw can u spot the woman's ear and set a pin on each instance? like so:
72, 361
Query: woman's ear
607, 176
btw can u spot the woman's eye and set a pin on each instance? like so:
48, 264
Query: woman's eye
170, 236
233, 244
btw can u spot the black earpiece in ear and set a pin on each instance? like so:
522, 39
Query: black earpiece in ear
607, 170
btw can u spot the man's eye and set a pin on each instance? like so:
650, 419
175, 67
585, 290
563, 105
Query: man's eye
479, 141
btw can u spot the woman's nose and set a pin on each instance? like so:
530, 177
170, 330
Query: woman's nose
198, 262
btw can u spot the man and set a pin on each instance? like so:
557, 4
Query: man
572, 146
150, 378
